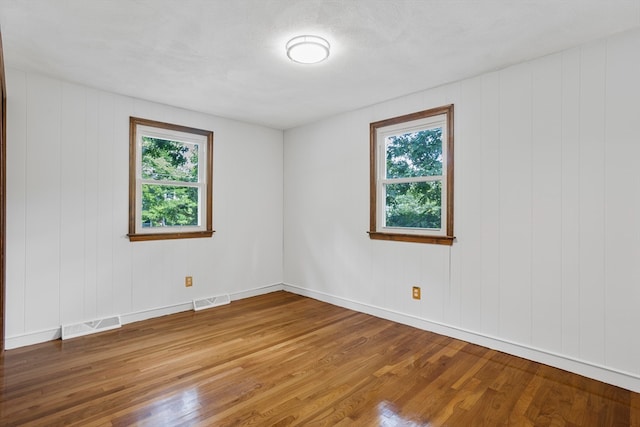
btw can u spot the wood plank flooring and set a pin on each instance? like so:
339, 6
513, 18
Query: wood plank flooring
281, 359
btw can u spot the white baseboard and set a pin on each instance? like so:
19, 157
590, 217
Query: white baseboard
31, 338
605, 374
256, 291
172, 309
151, 313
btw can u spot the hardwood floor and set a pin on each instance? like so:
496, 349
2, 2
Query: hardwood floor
281, 359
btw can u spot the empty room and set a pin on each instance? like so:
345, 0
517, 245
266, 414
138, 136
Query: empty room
320, 213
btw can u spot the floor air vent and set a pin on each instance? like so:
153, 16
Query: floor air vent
201, 304
86, 328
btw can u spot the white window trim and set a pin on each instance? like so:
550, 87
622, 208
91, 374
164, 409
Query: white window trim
171, 135
382, 134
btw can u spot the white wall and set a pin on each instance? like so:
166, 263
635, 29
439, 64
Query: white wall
547, 214
68, 257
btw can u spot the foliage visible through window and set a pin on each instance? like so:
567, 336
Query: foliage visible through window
163, 162
170, 181
416, 204
412, 177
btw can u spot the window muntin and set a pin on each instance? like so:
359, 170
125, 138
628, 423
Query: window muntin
412, 177
170, 181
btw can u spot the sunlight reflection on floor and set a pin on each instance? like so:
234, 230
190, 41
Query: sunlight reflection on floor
167, 410
388, 417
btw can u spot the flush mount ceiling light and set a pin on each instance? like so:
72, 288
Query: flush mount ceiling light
308, 49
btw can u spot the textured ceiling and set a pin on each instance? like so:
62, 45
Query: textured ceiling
226, 57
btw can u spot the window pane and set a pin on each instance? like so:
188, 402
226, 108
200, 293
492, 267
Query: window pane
414, 205
165, 160
414, 154
168, 206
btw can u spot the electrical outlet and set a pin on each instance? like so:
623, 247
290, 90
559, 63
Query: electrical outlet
188, 281
416, 292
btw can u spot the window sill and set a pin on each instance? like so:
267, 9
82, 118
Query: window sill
414, 238
169, 236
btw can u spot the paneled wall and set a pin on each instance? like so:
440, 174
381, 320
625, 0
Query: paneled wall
547, 201
68, 257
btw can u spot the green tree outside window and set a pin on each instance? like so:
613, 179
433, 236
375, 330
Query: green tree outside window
415, 204
169, 163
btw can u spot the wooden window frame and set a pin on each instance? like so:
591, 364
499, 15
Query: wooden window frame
207, 229
445, 237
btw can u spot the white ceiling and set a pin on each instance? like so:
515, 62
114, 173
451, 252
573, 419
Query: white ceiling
227, 58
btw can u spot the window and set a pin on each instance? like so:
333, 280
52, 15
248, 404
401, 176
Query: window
170, 181
411, 162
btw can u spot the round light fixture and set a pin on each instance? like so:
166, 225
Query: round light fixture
307, 49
